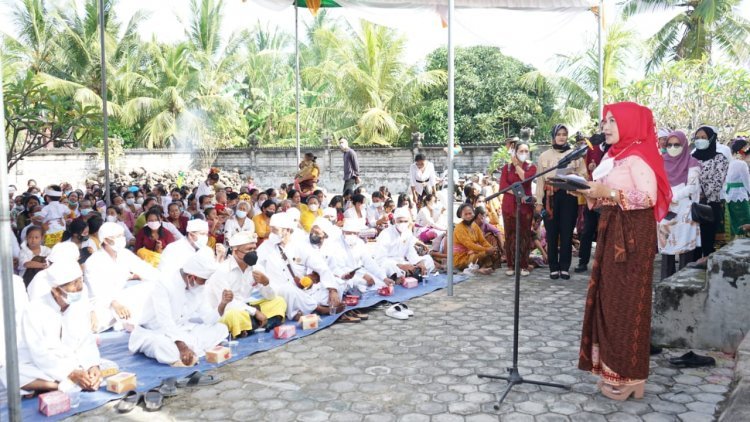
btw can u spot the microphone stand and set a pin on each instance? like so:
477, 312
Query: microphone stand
514, 377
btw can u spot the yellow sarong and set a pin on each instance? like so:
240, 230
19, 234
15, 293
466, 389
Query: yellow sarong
151, 257
238, 320
52, 239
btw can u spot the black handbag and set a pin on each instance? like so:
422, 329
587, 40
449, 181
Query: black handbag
701, 213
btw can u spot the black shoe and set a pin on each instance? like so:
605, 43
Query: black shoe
554, 275
564, 275
691, 360
655, 350
581, 268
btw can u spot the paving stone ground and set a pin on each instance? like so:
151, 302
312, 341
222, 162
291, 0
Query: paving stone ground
425, 369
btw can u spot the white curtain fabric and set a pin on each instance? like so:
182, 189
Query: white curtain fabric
433, 4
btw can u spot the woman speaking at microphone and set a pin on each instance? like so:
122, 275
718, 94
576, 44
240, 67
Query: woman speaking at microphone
632, 192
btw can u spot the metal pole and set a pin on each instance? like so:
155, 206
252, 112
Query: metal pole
6, 273
296, 73
105, 122
601, 59
451, 92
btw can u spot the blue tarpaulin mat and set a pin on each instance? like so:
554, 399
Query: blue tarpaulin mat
149, 373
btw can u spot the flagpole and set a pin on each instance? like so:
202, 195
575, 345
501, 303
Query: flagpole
601, 59
451, 105
296, 73
105, 121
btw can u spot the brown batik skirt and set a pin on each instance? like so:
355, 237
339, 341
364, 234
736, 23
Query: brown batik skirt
615, 341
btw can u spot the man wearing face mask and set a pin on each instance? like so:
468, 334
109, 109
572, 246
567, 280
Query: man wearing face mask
396, 251
173, 256
348, 257
178, 323
291, 264
56, 348
241, 292
113, 274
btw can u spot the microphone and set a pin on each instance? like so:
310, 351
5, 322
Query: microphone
595, 139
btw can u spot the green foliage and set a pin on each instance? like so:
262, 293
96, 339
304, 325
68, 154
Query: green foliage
687, 94
490, 102
36, 117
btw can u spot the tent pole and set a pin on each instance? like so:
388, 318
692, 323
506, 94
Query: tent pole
6, 274
600, 19
105, 122
296, 72
451, 92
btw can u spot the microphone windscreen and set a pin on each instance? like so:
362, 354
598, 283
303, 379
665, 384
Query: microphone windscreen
597, 139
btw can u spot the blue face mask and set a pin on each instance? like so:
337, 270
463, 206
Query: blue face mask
72, 297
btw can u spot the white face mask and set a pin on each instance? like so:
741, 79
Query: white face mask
313, 207
603, 168
111, 218
139, 201
154, 225
702, 143
130, 201
674, 152
201, 240
523, 157
402, 227
120, 243
241, 214
274, 238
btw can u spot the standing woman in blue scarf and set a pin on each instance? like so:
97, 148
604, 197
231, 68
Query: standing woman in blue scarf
714, 166
561, 208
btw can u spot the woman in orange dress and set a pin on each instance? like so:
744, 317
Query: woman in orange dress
469, 244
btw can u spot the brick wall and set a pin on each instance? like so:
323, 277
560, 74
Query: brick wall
270, 167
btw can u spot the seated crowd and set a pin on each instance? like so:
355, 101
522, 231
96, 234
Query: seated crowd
182, 270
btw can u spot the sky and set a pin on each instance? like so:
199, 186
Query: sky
532, 37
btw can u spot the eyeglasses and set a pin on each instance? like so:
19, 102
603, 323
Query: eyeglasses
674, 146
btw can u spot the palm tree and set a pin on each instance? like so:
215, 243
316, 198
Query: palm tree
704, 26
372, 89
36, 43
576, 81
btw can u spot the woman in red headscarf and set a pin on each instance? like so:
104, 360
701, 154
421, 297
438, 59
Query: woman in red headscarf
632, 193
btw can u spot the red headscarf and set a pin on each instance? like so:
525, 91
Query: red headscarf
638, 137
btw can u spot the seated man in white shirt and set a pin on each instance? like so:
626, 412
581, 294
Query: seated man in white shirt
119, 282
173, 257
241, 292
178, 324
350, 259
395, 248
57, 349
292, 266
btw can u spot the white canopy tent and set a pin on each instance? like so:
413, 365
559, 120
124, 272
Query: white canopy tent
446, 10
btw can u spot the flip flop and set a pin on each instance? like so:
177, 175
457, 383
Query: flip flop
153, 400
406, 309
168, 387
198, 379
346, 318
129, 402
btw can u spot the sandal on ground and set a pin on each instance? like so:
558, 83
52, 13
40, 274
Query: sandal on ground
397, 312
153, 400
168, 387
510, 272
565, 275
485, 271
554, 275
349, 318
525, 272
198, 379
361, 315
406, 309
129, 402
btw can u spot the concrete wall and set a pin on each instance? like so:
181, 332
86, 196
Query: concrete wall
270, 167
706, 309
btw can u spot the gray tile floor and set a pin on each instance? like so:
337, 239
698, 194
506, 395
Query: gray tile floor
424, 369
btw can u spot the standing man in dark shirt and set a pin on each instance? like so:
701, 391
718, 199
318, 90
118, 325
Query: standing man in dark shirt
594, 156
351, 165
